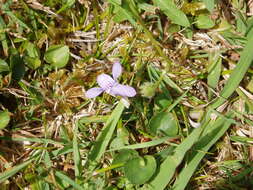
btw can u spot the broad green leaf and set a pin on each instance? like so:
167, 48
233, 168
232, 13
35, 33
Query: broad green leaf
57, 55
203, 21
17, 67
3, 66
4, 119
169, 165
146, 6
124, 155
163, 123
115, 2
139, 170
105, 135
209, 4
162, 101
169, 8
237, 74
213, 132
32, 62
123, 12
31, 49
32, 57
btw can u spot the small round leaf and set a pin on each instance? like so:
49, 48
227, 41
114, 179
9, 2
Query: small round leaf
3, 66
32, 62
162, 101
165, 123
124, 155
57, 55
139, 170
4, 119
203, 21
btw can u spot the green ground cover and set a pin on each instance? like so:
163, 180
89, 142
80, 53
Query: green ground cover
126, 94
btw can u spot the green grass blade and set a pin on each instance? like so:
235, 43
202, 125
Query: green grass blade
214, 74
37, 140
68, 180
93, 119
6, 10
237, 74
105, 135
9, 173
169, 8
168, 167
76, 153
3, 39
143, 145
166, 79
124, 11
215, 130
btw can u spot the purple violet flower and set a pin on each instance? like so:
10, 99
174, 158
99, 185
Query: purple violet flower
110, 85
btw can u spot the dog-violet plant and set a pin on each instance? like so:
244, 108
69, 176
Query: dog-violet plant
110, 85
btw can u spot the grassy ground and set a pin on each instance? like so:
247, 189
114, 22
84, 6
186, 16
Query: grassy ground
188, 127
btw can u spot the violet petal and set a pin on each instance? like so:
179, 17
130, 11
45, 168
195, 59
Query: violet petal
123, 90
116, 70
105, 81
93, 92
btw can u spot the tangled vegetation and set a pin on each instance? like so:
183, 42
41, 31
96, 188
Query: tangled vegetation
177, 113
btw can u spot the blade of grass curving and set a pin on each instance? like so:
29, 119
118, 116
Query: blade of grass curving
10, 172
105, 135
65, 150
237, 74
143, 145
170, 9
176, 102
169, 165
166, 79
68, 180
215, 130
